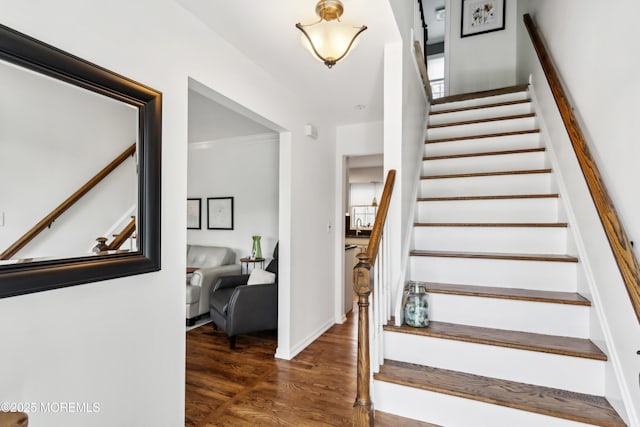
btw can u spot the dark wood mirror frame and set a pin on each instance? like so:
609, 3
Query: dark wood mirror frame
23, 278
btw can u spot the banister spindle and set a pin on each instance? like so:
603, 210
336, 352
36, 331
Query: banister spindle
363, 413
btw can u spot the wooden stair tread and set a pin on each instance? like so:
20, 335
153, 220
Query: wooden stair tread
500, 197
553, 344
488, 153
568, 298
494, 224
487, 120
384, 419
496, 255
477, 174
480, 107
481, 94
579, 407
481, 136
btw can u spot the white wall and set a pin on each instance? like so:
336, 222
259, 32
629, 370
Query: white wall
55, 137
483, 61
610, 132
121, 342
243, 168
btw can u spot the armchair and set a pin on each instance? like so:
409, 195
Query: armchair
239, 308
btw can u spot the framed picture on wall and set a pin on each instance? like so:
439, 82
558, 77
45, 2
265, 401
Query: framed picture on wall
220, 213
194, 220
482, 16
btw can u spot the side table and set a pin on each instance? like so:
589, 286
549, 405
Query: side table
244, 264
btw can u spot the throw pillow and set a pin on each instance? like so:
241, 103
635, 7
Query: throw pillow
261, 277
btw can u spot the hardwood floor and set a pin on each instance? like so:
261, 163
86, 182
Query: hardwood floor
248, 387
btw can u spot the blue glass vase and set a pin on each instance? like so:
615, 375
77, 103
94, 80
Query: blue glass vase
416, 306
256, 250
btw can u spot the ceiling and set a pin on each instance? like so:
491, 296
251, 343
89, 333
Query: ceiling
265, 31
211, 121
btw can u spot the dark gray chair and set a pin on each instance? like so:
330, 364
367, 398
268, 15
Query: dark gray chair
241, 309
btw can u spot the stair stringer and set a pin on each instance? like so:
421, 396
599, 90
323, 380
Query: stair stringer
614, 326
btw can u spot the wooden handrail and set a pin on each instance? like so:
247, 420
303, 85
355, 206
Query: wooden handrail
422, 66
363, 407
47, 220
126, 232
381, 217
620, 244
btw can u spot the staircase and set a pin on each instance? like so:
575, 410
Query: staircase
508, 343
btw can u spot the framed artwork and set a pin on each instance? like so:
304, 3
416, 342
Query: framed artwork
194, 220
482, 16
220, 213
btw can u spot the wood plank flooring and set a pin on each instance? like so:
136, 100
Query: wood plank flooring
249, 387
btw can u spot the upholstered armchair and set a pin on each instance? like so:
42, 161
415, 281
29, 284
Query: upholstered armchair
239, 306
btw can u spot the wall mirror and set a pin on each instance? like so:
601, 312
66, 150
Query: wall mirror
80, 158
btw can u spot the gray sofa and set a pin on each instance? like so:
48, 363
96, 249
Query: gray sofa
211, 263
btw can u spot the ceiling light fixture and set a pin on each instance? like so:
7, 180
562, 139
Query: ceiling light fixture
329, 39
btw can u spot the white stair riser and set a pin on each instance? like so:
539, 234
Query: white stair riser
512, 125
515, 315
536, 275
494, 185
481, 113
531, 367
492, 210
452, 411
531, 240
502, 162
516, 96
483, 145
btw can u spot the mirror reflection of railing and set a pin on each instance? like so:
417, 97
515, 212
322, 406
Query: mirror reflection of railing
65, 114
65, 205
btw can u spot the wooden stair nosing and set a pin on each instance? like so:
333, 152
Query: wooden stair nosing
487, 120
579, 407
499, 197
494, 224
480, 107
553, 297
482, 136
495, 255
486, 153
479, 174
550, 344
384, 419
480, 94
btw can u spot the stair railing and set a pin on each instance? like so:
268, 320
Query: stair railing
123, 236
363, 276
614, 230
64, 206
422, 66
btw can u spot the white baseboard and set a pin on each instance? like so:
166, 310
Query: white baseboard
293, 351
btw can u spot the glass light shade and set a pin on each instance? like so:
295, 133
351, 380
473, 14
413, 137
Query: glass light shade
332, 40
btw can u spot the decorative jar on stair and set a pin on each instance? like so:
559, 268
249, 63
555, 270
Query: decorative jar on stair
416, 307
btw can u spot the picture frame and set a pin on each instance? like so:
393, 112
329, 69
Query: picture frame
194, 218
220, 213
482, 16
